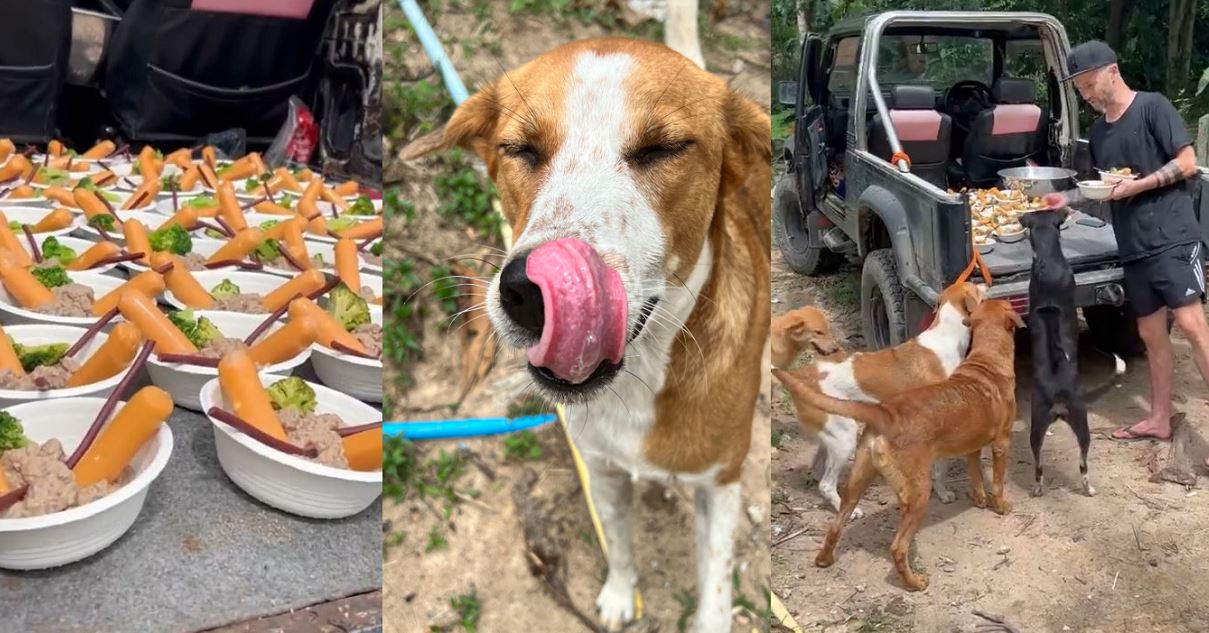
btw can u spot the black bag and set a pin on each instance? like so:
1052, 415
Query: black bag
176, 73
35, 40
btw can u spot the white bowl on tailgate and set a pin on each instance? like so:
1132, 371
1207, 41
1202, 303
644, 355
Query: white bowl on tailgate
288, 482
353, 375
44, 334
101, 284
201, 245
74, 243
39, 201
248, 282
148, 217
185, 382
31, 215
163, 206
1095, 189
74, 534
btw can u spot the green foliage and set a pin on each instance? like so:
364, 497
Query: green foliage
445, 289
173, 239
465, 196
522, 446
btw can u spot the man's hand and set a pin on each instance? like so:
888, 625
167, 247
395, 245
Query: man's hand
1127, 189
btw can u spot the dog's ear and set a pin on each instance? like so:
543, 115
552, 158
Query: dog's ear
471, 127
798, 330
971, 301
746, 160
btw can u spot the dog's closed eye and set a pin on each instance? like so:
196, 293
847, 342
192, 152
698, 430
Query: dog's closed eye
523, 152
648, 155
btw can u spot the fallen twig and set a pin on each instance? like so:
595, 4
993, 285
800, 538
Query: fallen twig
994, 623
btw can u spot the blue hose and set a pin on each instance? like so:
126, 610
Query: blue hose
467, 427
436, 52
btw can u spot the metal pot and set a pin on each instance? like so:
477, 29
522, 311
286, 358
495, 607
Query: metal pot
1038, 181
90, 34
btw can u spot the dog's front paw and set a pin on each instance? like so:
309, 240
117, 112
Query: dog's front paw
1000, 505
1038, 489
615, 604
856, 514
825, 558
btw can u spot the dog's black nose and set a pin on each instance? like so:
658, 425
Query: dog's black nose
521, 298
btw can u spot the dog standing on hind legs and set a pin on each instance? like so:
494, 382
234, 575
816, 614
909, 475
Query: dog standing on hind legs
1054, 333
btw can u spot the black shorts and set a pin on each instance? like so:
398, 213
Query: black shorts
1171, 279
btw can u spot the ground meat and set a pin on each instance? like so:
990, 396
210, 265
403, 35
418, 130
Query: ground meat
195, 261
370, 335
52, 488
368, 293
46, 263
282, 263
41, 378
317, 430
71, 300
218, 348
371, 259
244, 302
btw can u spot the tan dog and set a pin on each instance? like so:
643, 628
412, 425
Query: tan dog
636, 186
906, 433
874, 376
794, 331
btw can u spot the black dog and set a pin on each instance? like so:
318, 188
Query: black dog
1054, 329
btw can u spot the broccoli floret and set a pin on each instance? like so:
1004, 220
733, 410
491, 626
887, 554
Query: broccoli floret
218, 235
201, 202
376, 249
174, 239
256, 183
52, 249
12, 435
35, 356
200, 331
363, 206
102, 221
170, 183
268, 224
287, 201
292, 393
73, 153
136, 170
225, 289
52, 176
339, 224
348, 307
267, 251
51, 276
319, 258
15, 227
86, 183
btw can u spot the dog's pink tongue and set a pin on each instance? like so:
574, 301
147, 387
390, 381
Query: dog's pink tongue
585, 309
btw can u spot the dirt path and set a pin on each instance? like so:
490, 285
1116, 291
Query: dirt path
1133, 558
512, 523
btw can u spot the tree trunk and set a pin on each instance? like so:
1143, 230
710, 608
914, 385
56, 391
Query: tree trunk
803, 19
1181, 15
1117, 19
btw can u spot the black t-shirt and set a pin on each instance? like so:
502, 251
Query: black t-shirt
1146, 137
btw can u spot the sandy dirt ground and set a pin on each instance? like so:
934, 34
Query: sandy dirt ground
516, 541
1133, 558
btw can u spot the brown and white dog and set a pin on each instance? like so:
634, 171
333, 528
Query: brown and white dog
636, 186
871, 377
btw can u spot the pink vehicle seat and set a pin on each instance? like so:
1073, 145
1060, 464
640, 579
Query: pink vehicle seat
1004, 136
922, 131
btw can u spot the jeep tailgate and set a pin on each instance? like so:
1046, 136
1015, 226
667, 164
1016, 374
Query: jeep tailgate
1083, 245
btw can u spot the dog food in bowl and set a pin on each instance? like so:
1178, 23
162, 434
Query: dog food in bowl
1095, 189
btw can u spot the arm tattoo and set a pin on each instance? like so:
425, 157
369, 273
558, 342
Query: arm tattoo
1169, 174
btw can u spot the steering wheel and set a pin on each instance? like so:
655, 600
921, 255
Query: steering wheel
964, 100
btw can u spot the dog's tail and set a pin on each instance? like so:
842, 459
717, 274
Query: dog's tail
1115, 381
875, 416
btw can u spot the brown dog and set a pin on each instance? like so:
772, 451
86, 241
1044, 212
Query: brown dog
906, 433
793, 331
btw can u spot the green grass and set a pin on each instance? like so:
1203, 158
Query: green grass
465, 197
688, 606
782, 123
845, 291
469, 609
778, 437
522, 446
393, 206
436, 540
445, 289
399, 467
402, 332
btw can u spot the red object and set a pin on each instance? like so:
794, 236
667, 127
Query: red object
305, 135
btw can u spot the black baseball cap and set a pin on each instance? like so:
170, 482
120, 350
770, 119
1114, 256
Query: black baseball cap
1087, 57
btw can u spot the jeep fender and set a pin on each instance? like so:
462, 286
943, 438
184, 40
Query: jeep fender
879, 203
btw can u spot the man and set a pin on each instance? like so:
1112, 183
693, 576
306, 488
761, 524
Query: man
1158, 236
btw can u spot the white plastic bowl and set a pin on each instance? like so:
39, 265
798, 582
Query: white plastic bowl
248, 282
353, 375
38, 202
288, 482
203, 246
76, 244
1095, 189
131, 182
44, 334
100, 284
164, 204
147, 216
65, 537
31, 215
185, 382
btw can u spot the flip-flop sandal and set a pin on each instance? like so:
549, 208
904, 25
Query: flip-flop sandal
1130, 436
